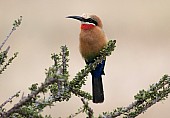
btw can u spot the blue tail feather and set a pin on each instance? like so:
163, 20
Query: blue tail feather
99, 70
97, 85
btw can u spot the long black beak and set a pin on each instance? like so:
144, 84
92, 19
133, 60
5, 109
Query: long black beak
77, 18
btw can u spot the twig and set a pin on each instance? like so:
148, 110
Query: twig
7, 49
77, 113
83, 109
16, 24
9, 99
86, 107
9, 61
13, 29
64, 53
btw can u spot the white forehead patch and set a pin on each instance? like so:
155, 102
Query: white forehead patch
85, 15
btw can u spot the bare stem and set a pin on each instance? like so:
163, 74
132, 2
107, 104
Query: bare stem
9, 100
13, 29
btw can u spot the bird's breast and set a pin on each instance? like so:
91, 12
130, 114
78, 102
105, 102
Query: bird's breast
91, 42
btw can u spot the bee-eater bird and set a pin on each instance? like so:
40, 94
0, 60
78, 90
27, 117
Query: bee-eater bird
92, 40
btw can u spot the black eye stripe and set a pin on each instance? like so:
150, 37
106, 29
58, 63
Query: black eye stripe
90, 20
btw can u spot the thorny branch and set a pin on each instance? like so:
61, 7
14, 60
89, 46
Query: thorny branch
29, 97
144, 100
15, 25
9, 61
3, 54
56, 74
87, 108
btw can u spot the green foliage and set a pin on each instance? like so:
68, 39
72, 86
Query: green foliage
8, 63
57, 85
17, 23
3, 56
33, 87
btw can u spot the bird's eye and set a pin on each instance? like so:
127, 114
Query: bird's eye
90, 20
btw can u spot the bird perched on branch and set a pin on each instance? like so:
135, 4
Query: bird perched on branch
92, 40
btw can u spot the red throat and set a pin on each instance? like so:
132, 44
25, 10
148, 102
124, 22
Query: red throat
86, 26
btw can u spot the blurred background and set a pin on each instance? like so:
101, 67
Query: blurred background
142, 31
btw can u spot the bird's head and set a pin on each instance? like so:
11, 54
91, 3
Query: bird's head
88, 21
